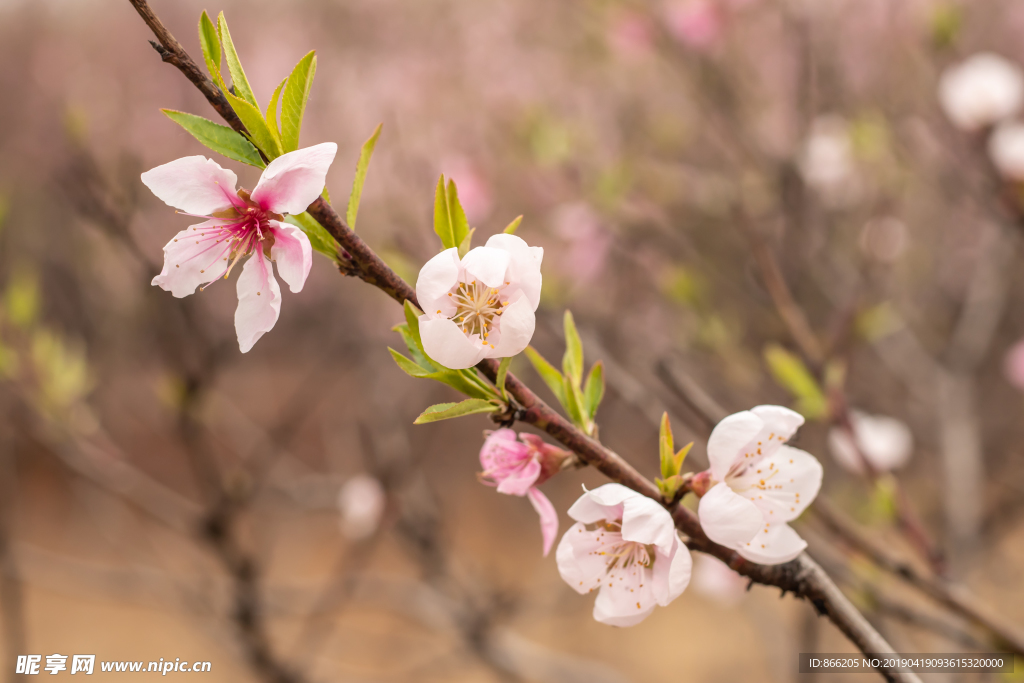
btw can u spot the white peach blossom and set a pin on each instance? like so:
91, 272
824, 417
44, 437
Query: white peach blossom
239, 224
623, 545
480, 306
981, 91
361, 502
756, 484
885, 442
1006, 149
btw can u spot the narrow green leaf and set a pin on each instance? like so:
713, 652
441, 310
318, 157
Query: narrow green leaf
319, 238
547, 372
681, 456
293, 101
574, 404
511, 228
412, 319
360, 179
238, 79
210, 42
409, 366
572, 361
411, 343
593, 390
252, 118
220, 139
446, 411
467, 243
502, 374
460, 226
271, 116
442, 221
791, 373
666, 448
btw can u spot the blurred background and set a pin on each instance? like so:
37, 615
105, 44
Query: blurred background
741, 201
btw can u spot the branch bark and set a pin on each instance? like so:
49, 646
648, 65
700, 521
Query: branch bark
802, 577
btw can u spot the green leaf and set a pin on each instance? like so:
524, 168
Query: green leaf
511, 228
791, 373
681, 456
574, 404
238, 79
220, 139
410, 367
357, 183
450, 222
446, 411
210, 42
271, 116
252, 119
547, 372
666, 448
413, 345
502, 374
467, 243
572, 361
21, 300
293, 101
319, 238
412, 319
593, 390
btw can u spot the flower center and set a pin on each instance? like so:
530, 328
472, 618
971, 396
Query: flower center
624, 554
477, 307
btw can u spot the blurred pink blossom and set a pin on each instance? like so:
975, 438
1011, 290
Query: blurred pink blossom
981, 91
1013, 365
630, 35
1006, 149
885, 442
475, 192
588, 242
713, 579
361, 502
697, 24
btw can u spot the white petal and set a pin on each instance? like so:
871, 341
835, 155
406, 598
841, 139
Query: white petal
728, 440
193, 184
645, 521
773, 544
259, 301
448, 345
727, 517
782, 485
621, 605
437, 277
601, 503
524, 267
780, 420
579, 562
982, 90
487, 265
885, 441
672, 573
1006, 148
292, 253
194, 257
516, 327
293, 181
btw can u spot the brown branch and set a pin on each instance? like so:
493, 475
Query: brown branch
803, 577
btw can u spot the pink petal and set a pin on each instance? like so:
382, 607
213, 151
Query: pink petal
517, 325
293, 181
727, 517
448, 345
672, 573
259, 301
776, 543
579, 563
729, 438
500, 447
548, 517
437, 276
293, 254
791, 480
517, 481
487, 265
193, 184
194, 257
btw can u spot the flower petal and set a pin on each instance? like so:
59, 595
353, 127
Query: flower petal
293, 254
645, 521
194, 257
518, 480
885, 441
293, 181
579, 563
672, 573
524, 267
501, 448
729, 438
259, 301
776, 543
548, 517
437, 277
448, 345
619, 604
727, 517
516, 328
782, 485
193, 184
487, 265
601, 503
